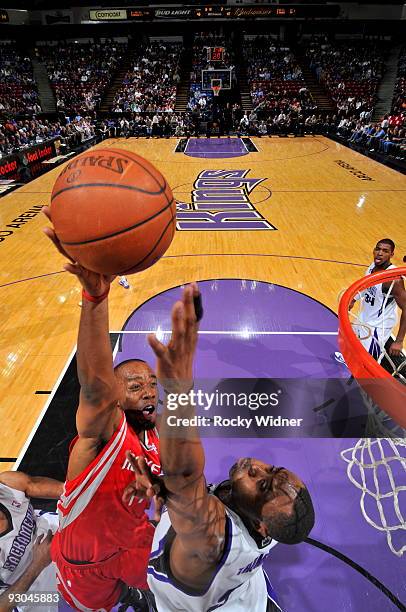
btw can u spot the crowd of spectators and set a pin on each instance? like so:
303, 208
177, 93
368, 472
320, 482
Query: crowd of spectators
386, 137
270, 66
150, 84
399, 97
282, 103
350, 71
149, 125
296, 124
80, 73
18, 91
16, 135
278, 91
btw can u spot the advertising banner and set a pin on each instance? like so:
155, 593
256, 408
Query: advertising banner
108, 15
38, 153
11, 164
140, 13
174, 13
292, 11
8, 166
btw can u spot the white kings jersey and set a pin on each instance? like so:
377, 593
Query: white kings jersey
16, 543
378, 309
238, 585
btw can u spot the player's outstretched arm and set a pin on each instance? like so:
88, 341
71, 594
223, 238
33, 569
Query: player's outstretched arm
33, 486
98, 411
41, 558
400, 297
197, 518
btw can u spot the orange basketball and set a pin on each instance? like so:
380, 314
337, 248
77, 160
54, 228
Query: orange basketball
113, 212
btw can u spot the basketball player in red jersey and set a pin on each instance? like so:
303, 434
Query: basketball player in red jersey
103, 542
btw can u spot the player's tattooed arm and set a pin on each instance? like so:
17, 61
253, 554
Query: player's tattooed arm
33, 486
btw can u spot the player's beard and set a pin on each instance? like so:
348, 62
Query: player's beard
137, 421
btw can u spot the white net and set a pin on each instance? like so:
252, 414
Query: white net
378, 468
216, 85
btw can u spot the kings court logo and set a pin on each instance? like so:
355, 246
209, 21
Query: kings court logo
223, 200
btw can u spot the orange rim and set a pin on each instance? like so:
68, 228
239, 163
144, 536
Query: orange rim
387, 392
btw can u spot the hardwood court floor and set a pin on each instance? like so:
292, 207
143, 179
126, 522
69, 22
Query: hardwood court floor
329, 206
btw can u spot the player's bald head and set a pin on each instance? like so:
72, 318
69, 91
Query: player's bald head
131, 367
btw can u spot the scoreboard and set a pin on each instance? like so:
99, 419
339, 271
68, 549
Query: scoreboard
215, 54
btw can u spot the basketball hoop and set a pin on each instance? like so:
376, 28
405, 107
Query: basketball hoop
386, 389
216, 89
376, 464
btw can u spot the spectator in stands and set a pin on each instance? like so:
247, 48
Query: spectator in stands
80, 73
244, 123
350, 71
151, 83
262, 129
18, 90
374, 140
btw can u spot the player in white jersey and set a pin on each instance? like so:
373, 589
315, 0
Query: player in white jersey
208, 549
20, 527
378, 313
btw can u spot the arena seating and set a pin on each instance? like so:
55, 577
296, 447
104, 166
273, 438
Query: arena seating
150, 84
278, 90
350, 71
399, 98
19, 134
80, 73
271, 67
18, 91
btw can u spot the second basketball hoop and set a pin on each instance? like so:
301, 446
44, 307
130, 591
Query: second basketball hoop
216, 86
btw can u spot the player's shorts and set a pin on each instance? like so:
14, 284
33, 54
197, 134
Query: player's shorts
375, 343
256, 595
99, 586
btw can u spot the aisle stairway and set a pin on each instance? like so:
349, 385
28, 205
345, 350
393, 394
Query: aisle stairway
387, 85
185, 68
241, 72
117, 81
318, 92
45, 91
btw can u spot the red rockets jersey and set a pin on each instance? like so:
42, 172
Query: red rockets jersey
94, 521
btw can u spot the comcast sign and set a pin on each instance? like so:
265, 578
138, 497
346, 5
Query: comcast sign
108, 15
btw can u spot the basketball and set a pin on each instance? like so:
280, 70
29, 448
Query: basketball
113, 211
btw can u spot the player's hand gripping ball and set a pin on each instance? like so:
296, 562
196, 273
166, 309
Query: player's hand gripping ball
113, 211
